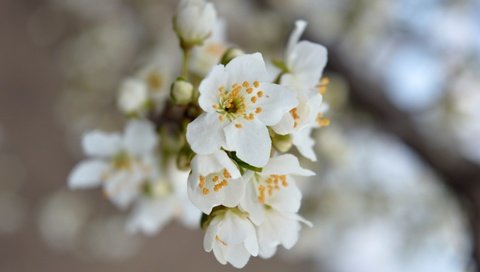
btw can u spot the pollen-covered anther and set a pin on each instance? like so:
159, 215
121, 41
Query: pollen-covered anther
322, 121
201, 182
226, 174
249, 90
205, 191
296, 117
256, 84
238, 125
253, 99
245, 84
259, 94
258, 110
322, 86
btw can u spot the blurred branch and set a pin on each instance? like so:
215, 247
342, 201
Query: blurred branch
460, 175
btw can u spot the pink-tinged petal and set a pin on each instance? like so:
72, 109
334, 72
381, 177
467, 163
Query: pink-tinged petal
248, 67
87, 174
250, 140
140, 137
205, 134
100, 144
286, 164
275, 102
210, 86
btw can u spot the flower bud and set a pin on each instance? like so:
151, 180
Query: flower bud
282, 143
181, 92
184, 158
132, 96
194, 21
230, 54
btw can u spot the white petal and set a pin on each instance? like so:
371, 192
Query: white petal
305, 143
203, 202
101, 144
140, 137
208, 164
209, 88
234, 229
286, 164
205, 134
248, 67
123, 187
251, 142
238, 256
277, 101
250, 203
287, 199
300, 26
210, 233
233, 192
307, 61
151, 215
267, 251
286, 125
87, 174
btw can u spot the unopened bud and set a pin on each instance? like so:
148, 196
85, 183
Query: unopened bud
193, 22
181, 92
282, 143
230, 54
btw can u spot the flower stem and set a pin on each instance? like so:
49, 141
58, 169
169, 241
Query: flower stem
186, 59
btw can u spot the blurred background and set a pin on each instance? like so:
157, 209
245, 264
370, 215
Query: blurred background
398, 176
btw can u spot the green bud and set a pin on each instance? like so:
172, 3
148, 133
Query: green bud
282, 143
181, 92
230, 54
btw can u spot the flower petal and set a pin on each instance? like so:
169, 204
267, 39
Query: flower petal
306, 62
100, 144
287, 199
248, 67
276, 101
209, 88
286, 125
238, 256
250, 204
123, 186
87, 174
151, 215
207, 164
297, 32
205, 134
140, 137
286, 164
251, 141
304, 143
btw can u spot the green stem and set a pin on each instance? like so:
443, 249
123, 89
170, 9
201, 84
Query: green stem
186, 59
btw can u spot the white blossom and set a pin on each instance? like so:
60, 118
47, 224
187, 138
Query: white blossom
304, 62
215, 180
132, 96
274, 186
239, 105
232, 238
164, 199
118, 163
194, 20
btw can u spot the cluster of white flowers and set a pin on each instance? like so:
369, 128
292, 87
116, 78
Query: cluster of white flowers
229, 133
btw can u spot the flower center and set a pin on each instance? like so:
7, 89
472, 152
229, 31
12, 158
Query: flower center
214, 182
122, 161
239, 101
266, 186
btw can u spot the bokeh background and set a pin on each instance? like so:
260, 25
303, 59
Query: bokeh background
398, 184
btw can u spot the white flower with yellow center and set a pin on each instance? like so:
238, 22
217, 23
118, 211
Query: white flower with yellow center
232, 238
274, 187
239, 105
163, 198
278, 228
118, 163
194, 20
304, 63
215, 180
